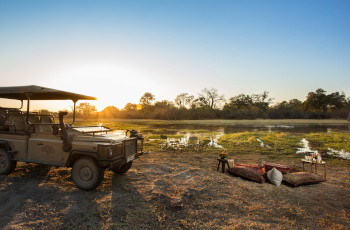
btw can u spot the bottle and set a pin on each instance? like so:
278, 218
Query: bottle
319, 158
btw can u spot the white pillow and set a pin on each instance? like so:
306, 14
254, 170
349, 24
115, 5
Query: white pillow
275, 176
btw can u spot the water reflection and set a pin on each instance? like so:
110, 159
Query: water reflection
305, 147
214, 141
227, 129
339, 153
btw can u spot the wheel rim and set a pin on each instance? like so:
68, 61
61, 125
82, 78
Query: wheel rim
85, 173
3, 161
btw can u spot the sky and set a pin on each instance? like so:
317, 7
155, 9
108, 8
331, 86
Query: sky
118, 50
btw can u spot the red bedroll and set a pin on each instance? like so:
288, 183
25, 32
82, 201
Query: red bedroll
283, 168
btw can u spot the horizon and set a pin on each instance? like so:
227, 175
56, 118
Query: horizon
36, 105
117, 50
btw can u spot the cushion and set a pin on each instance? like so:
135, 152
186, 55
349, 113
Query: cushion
275, 176
261, 169
247, 173
282, 168
302, 178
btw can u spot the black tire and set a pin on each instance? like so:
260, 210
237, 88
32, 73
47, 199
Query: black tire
87, 174
6, 164
123, 168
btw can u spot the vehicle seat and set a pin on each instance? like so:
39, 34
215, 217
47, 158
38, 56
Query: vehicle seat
46, 128
33, 120
46, 119
2, 122
19, 123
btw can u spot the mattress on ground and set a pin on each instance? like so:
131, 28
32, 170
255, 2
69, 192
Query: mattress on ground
247, 173
302, 178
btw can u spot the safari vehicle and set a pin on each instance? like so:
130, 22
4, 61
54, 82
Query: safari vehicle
35, 138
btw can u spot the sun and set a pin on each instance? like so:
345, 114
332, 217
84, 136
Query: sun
112, 84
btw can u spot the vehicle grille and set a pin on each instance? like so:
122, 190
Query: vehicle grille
118, 150
130, 147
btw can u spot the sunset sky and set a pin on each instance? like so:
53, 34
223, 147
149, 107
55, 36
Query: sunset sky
118, 50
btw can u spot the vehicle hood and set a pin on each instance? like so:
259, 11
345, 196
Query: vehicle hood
107, 138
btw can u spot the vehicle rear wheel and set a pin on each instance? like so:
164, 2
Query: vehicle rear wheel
6, 164
87, 174
123, 168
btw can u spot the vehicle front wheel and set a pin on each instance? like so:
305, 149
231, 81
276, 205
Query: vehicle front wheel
6, 164
123, 168
87, 174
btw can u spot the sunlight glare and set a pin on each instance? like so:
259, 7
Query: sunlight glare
111, 84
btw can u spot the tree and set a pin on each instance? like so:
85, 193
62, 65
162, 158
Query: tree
319, 101
316, 101
130, 107
184, 100
165, 104
109, 111
86, 108
210, 98
292, 109
336, 100
262, 100
244, 106
146, 99
246, 102
241, 101
163, 110
44, 112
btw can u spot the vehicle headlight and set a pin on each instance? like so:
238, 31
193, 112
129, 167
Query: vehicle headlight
105, 151
110, 151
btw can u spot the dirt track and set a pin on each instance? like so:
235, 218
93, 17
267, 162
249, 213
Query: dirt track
167, 191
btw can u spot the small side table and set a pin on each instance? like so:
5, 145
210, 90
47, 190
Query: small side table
313, 164
223, 162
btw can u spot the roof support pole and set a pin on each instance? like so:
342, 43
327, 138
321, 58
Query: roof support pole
27, 117
75, 102
28, 105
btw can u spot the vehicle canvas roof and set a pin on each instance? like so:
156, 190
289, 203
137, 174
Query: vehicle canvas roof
35, 92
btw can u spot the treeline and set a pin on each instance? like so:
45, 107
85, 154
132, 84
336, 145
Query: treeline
209, 104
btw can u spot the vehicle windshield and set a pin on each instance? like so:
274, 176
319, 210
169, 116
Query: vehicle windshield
92, 129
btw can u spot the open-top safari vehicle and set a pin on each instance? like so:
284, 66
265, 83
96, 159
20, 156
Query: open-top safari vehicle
35, 138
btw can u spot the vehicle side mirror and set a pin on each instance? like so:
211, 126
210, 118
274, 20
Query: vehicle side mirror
55, 130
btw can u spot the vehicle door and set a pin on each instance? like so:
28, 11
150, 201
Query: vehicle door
44, 147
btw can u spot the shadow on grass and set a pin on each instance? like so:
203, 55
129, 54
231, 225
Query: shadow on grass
129, 206
22, 190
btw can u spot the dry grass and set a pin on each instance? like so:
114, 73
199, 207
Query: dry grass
166, 190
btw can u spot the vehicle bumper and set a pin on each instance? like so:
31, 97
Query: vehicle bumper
113, 163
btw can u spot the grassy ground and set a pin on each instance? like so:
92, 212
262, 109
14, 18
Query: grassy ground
271, 143
323, 141
172, 190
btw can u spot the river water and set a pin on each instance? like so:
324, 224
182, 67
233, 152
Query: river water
227, 129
